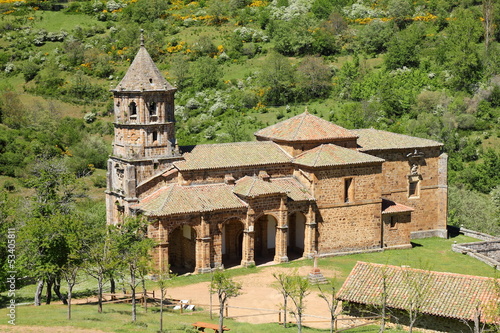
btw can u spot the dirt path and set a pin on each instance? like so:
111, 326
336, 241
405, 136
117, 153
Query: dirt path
258, 292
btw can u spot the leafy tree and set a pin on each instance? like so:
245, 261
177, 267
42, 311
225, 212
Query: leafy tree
459, 49
314, 77
300, 289
328, 293
403, 48
206, 73
225, 288
418, 286
373, 38
163, 279
7, 222
277, 77
134, 252
285, 287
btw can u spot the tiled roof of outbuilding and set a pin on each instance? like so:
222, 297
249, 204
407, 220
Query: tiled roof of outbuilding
305, 127
445, 294
228, 155
391, 207
143, 75
372, 139
332, 155
177, 199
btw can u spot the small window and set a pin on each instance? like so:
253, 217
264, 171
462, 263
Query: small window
348, 190
132, 108
155, 136
392, 222
152, 109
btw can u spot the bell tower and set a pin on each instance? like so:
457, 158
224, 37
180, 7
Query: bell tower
144, 133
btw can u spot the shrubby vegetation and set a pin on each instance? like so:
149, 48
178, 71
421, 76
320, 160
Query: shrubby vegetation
424, 68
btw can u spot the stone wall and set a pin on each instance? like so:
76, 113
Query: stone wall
430, 201
217, 175
396, 229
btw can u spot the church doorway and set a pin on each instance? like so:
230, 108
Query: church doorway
232, 243
182, 250
265, 239
296, 235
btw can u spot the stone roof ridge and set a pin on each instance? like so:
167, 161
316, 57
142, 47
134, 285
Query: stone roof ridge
297, 131
318, 154
169, 194
143, 75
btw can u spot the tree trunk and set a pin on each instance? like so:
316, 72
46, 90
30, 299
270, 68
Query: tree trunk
284, 311
221, 313
38, 292
144, 294
48, 299
132, 286
70, 291
99, 294
113, 286
162, 295
57, 290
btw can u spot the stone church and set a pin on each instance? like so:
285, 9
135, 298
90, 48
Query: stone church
305, 185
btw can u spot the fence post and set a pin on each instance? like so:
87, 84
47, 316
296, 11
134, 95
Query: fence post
227, 310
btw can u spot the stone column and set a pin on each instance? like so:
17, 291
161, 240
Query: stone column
162, 248
248, 251
203, 248
310, 234
282, 234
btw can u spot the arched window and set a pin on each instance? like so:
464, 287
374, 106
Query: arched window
132, 108
152, 109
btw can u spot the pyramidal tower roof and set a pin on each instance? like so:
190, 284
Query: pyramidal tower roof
303, 128
143, 75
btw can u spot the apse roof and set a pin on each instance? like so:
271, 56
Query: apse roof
305, 127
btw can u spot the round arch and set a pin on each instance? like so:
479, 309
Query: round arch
182, 249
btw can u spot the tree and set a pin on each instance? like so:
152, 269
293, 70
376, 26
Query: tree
206, 73
403, 48
285, 287
277, 77
418, 286
225, 288
163, 279
300, 289
488, 22
134, 252
329, 296
314, 77
101, 255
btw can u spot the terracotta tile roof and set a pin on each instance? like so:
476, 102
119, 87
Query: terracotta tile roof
177, 199
331, 155
391, 207
372, 139
293, 188
254, 187
143, 75
305, 127
446, 294
238, 154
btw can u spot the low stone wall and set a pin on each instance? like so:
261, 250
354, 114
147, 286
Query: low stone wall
487, 252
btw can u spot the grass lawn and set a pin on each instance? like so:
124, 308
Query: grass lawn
117, 318
433, 253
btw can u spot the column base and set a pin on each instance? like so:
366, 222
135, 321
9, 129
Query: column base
281, 259
204, 270
247, 263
